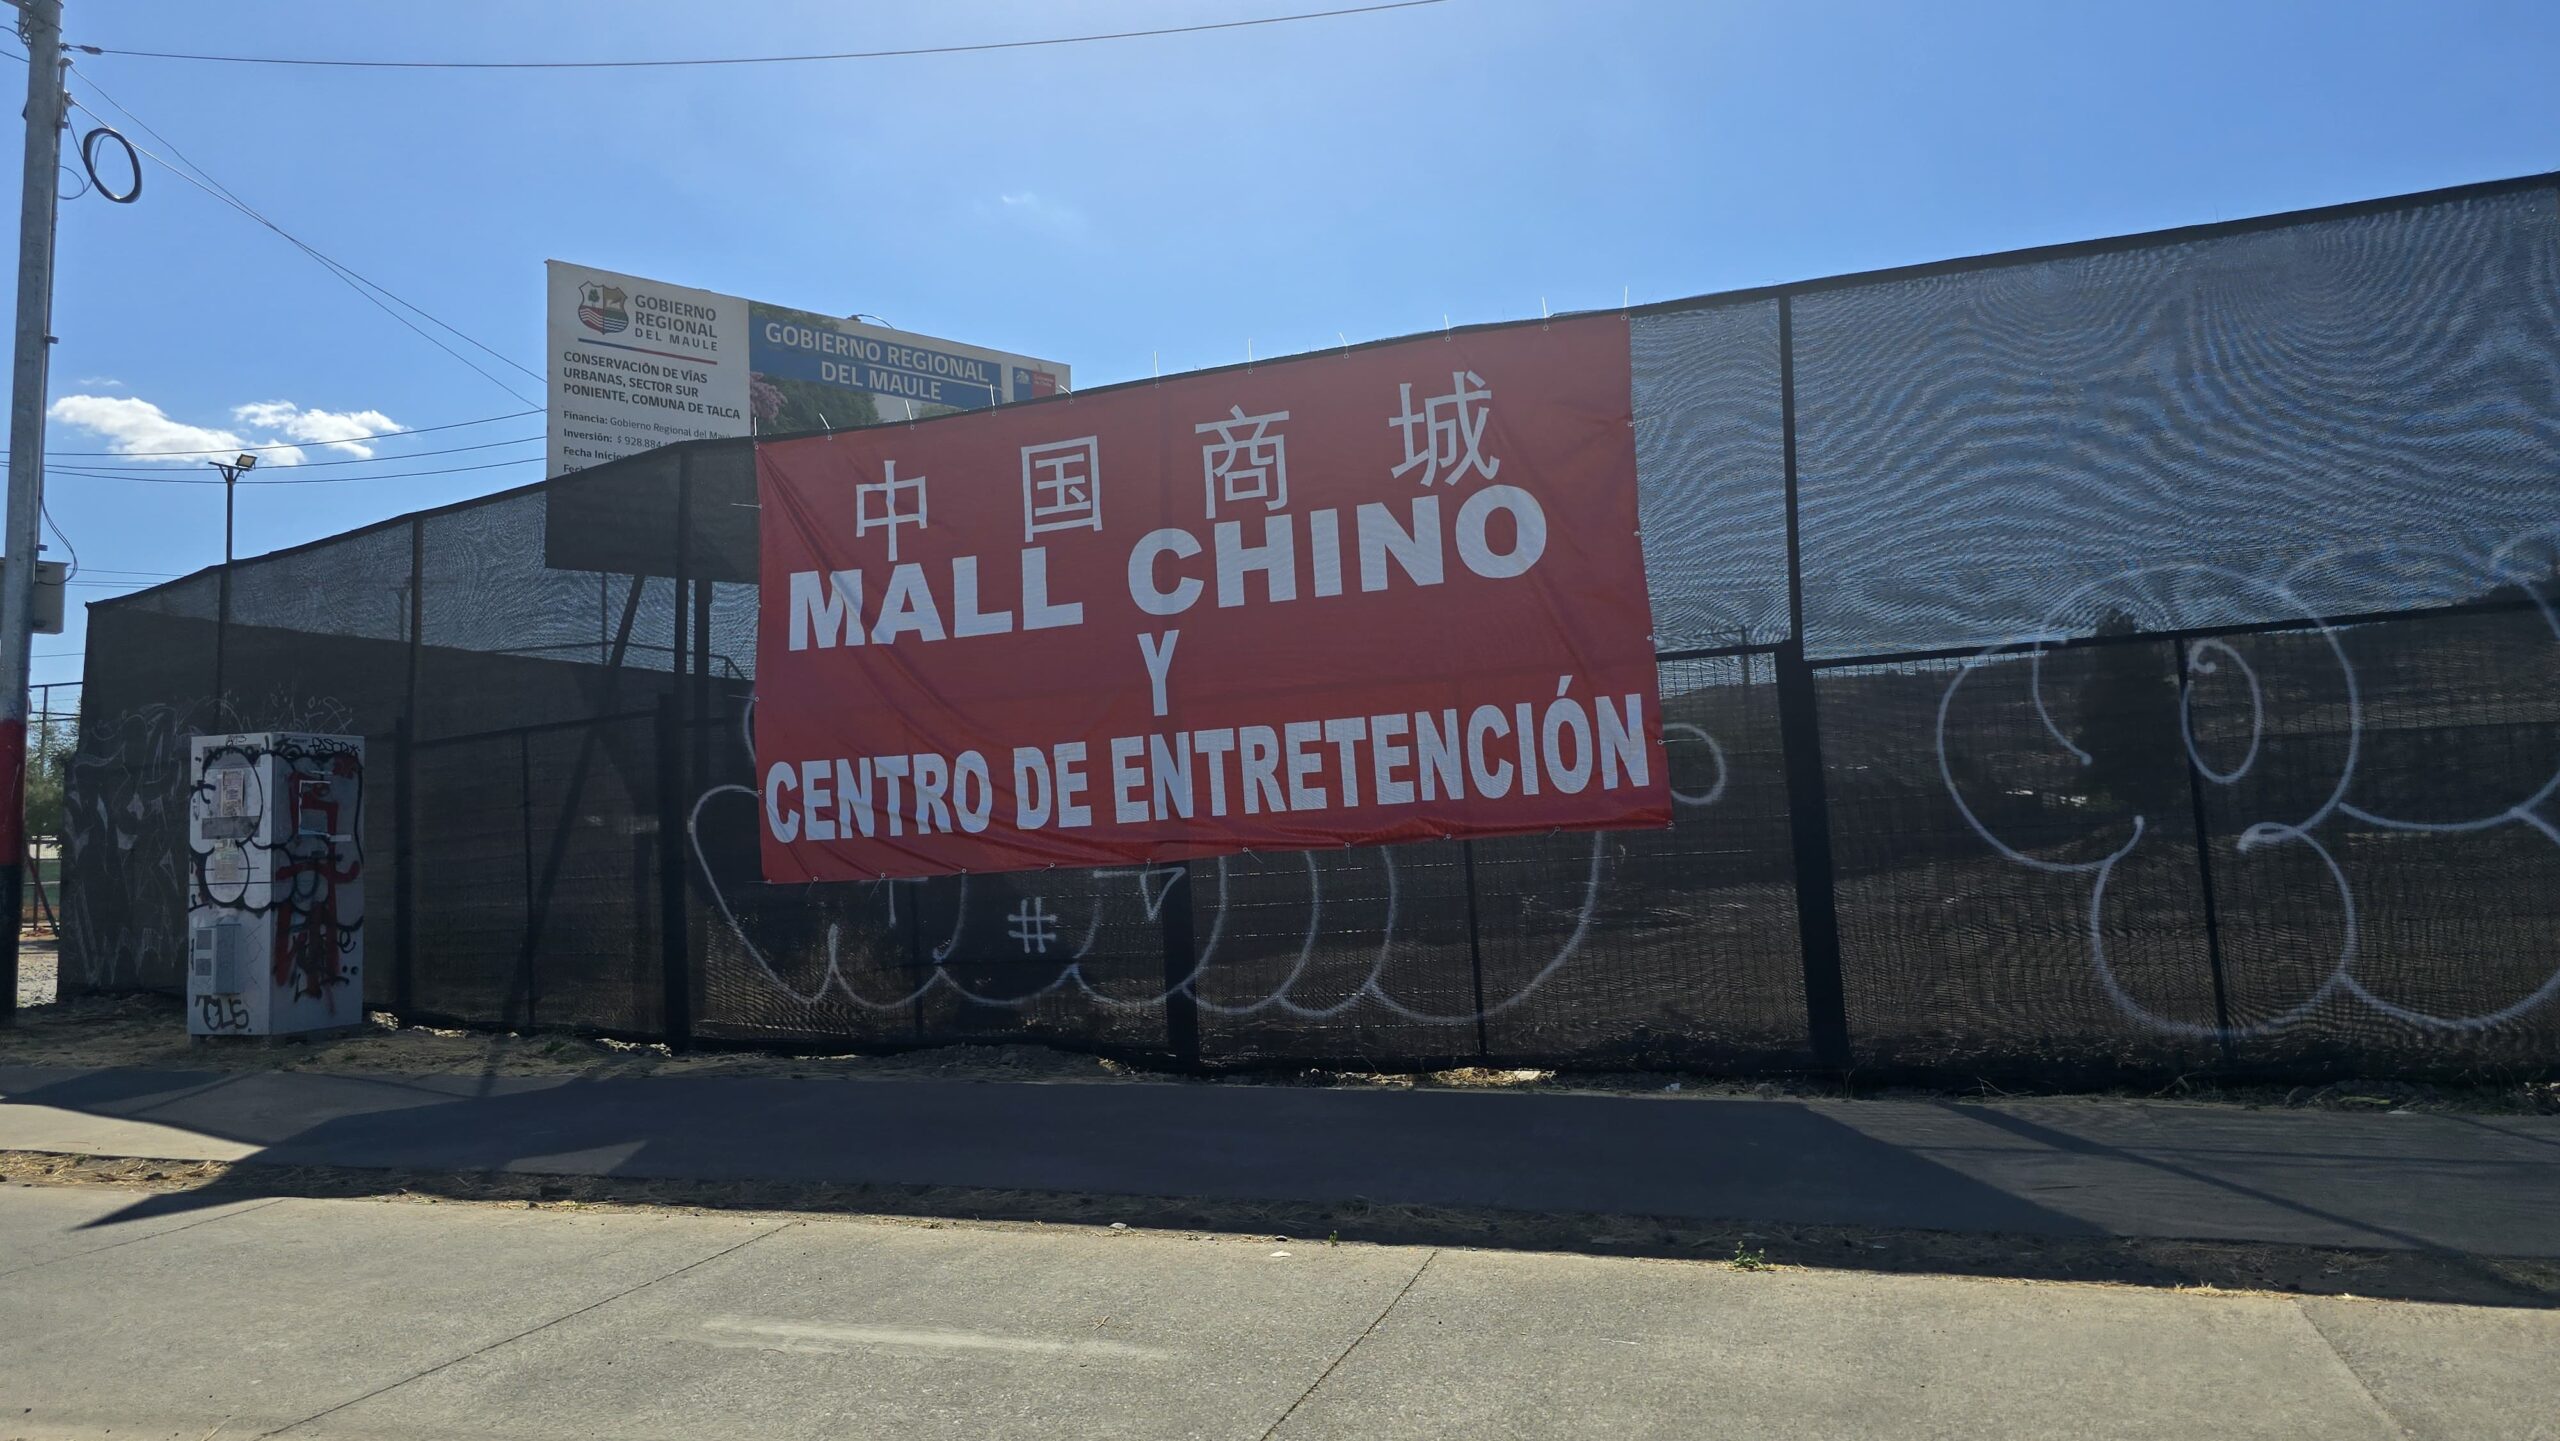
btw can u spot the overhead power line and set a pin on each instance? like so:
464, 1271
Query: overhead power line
756, 59
324, 464
360, 284
262, 479
351, 278
297, 445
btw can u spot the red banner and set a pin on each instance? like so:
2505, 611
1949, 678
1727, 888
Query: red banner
1390, 594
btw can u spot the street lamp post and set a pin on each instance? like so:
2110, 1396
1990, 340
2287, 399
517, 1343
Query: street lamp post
230, 484
222, 615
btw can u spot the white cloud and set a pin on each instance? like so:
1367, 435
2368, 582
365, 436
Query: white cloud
133, 426
100, 382
1028, 207
336, 429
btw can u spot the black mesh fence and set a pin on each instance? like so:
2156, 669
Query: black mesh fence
2129, 659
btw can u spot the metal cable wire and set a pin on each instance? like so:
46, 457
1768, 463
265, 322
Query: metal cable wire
754, 59
348, 276
93, 467
296, 445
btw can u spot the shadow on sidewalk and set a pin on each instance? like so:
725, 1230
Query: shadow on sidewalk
1758, 1181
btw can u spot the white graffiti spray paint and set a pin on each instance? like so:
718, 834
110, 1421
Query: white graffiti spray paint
2212, 656
1153, 886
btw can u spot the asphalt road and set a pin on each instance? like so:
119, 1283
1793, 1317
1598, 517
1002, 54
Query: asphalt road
400, 1319
2458, 1184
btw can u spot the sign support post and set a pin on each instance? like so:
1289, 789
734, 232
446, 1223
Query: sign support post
40, 25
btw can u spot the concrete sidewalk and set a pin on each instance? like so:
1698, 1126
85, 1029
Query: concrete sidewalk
2475, 1185
388, 1319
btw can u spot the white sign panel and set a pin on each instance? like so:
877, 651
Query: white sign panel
638, 363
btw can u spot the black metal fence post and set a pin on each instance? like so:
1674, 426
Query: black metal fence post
528, 974
1800, 732
404, 787
1181, 1007
915, 946
687, 713
1809, 822
2204, 857
404, 874
697, 770
222, 651
1475, 948
674, 972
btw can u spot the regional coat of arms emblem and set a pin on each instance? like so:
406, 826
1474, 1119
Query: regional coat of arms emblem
604, 309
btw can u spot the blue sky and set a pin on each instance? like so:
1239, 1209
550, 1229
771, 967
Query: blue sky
1166, 201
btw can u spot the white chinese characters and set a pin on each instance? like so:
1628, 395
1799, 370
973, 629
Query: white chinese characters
1061, 486
890, 515
1452, 429
1248, 461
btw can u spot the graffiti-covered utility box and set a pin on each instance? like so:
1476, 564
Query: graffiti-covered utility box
275, 890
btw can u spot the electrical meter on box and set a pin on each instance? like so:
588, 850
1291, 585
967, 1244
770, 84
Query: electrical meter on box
275, 898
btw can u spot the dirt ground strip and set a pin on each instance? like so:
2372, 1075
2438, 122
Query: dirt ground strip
150, 1031
2188, 1266
36, 968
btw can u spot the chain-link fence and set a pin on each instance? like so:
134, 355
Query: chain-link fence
2133, 658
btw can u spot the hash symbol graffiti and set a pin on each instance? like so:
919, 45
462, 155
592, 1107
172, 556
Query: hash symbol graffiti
1034, 926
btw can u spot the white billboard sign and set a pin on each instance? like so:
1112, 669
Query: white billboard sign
639, 363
